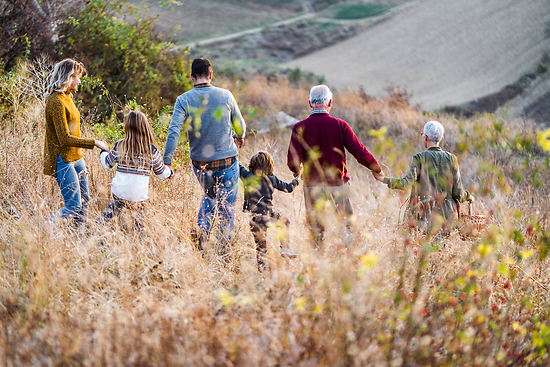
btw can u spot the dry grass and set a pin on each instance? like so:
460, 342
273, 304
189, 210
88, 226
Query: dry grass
107, 296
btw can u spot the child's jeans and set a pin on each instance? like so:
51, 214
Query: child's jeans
258, 225
73, 183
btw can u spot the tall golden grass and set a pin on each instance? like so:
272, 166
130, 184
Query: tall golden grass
108, 296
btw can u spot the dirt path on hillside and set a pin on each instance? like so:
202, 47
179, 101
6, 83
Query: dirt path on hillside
445, 52
309, 13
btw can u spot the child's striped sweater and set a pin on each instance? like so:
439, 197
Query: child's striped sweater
132, 183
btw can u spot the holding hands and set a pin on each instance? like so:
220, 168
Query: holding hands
378, 175
101, 145
239, 142
297, 174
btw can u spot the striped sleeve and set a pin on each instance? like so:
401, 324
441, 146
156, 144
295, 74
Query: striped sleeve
159, 168
108, 160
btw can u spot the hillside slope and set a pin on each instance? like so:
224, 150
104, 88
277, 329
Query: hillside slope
443, 51
191, 20
533, 103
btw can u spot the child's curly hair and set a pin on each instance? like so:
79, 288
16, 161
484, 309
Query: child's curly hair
261, 164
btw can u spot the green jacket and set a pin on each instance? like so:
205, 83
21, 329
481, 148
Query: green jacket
436, 186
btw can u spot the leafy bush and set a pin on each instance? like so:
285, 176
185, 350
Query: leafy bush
358, 11
305, 78
30, 28
130, 59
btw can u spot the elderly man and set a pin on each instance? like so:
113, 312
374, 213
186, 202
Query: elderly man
215, 130
318, 146
435, 180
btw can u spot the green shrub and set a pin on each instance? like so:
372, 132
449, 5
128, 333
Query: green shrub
358, 11
299, 77
130, 59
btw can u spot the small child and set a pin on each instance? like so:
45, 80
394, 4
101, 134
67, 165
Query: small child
135, 155
260, 183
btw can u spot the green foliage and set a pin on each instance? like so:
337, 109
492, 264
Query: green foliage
359, 11
112, 130
541, 338
381, 142
131, 61
300, 77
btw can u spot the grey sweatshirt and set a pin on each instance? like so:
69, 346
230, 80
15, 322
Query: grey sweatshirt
210, 116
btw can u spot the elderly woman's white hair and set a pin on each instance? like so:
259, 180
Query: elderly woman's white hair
434, 131
320, 95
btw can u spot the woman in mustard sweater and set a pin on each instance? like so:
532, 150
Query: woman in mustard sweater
63, 147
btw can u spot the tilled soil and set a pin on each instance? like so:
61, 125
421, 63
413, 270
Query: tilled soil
445, 52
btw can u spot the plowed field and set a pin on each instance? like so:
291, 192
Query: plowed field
445, 52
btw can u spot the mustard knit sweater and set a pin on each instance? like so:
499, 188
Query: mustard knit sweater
62, 132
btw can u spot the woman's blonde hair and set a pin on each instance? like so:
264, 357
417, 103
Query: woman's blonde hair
59, 78
261, 164
136, 149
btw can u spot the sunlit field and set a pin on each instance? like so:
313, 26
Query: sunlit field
107, 295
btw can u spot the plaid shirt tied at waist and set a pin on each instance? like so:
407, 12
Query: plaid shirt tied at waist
214, 165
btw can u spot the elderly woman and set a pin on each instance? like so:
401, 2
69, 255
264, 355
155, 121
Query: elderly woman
63, 146
435, 180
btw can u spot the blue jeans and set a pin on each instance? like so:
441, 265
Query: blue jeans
73, 183
220, 194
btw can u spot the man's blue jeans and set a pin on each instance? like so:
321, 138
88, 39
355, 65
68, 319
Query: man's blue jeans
73, 183
220, 194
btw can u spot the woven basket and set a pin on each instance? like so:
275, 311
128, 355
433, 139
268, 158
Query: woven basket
471, 225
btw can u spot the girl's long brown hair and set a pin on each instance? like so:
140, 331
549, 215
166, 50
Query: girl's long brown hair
136, 149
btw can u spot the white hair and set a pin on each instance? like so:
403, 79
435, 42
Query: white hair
59, 78
434, 131
320, 95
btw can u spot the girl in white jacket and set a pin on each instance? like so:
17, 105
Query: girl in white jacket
135, 157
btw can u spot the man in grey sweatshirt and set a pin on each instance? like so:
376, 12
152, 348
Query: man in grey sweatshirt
215, 130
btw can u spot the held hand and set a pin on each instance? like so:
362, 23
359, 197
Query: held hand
101, 144
238, 141
173, 172
297, 174
378, 176
472, 198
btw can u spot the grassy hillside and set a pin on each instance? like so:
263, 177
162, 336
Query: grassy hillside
445, 52
195, 19
109, 296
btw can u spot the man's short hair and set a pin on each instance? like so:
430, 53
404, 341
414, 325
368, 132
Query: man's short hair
201, 67
434, 131
320, 95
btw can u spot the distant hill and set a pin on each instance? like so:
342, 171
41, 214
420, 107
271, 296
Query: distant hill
445, 52
195, 19
533, 103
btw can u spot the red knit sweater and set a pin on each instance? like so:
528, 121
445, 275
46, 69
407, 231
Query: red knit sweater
319, 142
